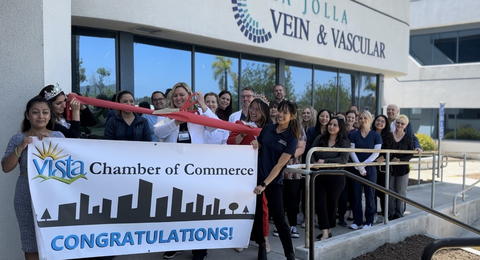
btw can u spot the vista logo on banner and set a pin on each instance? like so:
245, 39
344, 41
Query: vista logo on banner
51, 164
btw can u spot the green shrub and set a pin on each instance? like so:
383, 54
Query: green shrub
465, 133
426, 142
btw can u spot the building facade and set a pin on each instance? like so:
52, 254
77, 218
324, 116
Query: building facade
443, 66
330, 54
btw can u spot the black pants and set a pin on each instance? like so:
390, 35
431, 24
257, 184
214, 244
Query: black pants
327, 191
302, 196
291, 189
379, 194
274, 195
346, 197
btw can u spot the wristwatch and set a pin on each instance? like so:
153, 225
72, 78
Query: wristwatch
263, 184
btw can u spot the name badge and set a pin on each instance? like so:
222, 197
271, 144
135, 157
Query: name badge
183, 136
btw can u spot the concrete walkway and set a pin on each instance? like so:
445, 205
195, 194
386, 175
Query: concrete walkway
444, 193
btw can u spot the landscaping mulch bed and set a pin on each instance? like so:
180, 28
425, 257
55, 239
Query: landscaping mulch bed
412, 248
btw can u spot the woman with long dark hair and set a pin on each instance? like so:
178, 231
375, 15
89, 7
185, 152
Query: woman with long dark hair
329, 187
258, 116
81, 115
320, 127
38, 122
224, 105
381, 126
276, 144
127, 125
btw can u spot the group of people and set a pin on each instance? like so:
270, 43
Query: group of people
287, 133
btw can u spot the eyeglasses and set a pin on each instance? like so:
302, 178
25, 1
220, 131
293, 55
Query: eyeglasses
247, 96
158, 99
253, 109
399, 123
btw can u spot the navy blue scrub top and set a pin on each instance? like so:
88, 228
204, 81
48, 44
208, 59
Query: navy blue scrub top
272, 146
373, 138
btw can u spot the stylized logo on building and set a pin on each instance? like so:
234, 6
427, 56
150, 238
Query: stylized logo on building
247, 24
53, 165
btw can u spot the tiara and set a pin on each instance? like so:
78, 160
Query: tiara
55, 91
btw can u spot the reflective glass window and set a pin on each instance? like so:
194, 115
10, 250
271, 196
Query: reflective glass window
421, 48
325, 90
469, 46
258, 74
298, 83
366, 97
345, 91
159, 68
445, 48
214, 73
96, 66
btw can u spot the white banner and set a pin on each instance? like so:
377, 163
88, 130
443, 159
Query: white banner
100, 198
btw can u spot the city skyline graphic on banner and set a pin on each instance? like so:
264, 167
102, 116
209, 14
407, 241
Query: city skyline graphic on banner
141, 214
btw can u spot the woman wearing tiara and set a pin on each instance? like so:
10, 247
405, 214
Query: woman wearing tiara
81, 115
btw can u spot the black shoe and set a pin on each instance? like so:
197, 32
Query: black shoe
199, 257
262, 251
291, 256
342, 223
319, 237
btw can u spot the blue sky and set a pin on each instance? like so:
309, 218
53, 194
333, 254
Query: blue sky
159, 68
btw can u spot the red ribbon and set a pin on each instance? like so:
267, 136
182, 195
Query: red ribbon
182, 115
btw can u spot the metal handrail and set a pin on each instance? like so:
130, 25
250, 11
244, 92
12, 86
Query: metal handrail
456, 242
454, 211
310, 181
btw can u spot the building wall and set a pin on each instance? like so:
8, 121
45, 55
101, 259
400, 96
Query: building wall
424, 87
216, 26
429, 14
35, 51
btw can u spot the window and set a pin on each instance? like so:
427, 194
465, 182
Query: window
446, 48
159, 68
214, 73
298, 83
366, 93
469, 46
258, 74
325, 90
96, 66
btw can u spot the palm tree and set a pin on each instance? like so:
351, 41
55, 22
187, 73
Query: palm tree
221, 70
373, 88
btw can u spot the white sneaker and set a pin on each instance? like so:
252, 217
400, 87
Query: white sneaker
275, 233
354, 226
375, 219
367, 226
294, 232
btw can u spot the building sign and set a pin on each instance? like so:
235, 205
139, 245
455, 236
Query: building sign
305, 22
100, 198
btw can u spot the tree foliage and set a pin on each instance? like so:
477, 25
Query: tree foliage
221, 70
99, 83
261, 77
325, 97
